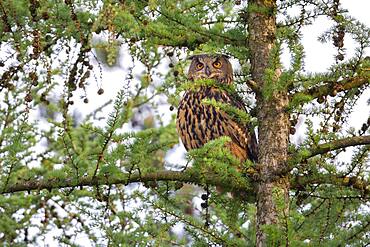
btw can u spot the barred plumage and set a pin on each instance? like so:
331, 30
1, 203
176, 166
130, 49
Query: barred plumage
198, 123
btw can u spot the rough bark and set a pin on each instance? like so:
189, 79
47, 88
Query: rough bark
273, 132
188, 176
191, 176
333, 87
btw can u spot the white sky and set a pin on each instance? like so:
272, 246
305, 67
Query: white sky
318, 55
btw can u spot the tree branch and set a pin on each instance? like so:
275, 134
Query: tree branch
333, 87
188, 176
352, 182
200, 35
198, 178
327, 147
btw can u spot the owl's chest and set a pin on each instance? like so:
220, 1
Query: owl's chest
196, 111
197, 121
194, 99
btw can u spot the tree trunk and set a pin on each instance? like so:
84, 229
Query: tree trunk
273, 131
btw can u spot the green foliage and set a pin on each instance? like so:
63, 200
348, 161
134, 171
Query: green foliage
214, 158
103, 175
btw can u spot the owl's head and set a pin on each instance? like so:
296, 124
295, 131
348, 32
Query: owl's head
207, 66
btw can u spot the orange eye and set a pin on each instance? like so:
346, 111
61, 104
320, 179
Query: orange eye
200, 66
217, 64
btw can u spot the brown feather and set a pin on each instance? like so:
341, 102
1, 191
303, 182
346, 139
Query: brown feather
198, 123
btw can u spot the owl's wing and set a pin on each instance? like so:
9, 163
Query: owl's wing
241, 134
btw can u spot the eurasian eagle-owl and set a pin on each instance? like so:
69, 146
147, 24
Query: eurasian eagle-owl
197, 122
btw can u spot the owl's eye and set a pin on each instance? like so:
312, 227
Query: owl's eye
217, 64
200, 66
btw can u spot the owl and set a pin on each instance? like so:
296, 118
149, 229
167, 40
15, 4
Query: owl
198, 123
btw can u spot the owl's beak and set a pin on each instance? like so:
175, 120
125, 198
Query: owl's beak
208, 72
